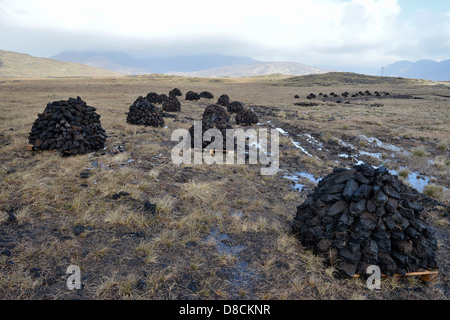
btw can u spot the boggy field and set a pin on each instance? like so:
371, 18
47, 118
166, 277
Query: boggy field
217, 231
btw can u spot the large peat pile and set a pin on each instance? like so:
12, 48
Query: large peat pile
153, 97
366, 216
69, 126
171, 104
223, 100
175, 92
142, 112
235, 107
192, 96
206, 95
247, 117
214, 117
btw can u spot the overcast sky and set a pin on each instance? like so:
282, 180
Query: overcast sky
320, 32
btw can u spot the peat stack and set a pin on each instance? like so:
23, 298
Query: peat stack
192, 96
206, 95
171, 104
163, 97
223, 100
153, 97
365, 216
215, 114
235, 107
175, 92
69, 126
247, 117
214, 117
144, 113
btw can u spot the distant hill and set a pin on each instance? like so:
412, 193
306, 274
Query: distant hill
122, 62
422, 69
20, 65
255, 69
340, 78
114, 61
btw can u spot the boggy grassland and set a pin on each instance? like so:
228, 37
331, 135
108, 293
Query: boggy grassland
219, 231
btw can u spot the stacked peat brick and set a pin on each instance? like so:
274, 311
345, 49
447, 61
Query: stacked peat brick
142, 112
247, 117
365, 216
69, 126
214, 117
171, 104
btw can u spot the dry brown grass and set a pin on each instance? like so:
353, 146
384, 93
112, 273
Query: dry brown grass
226, 227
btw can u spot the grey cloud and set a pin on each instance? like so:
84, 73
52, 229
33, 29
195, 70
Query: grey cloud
417, 40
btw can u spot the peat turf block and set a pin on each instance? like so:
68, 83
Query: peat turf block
192, 96
144, 113
171, 104
206, 95
153, 97
223, 100
247, 117
235, 107
365, 216
69, 126
214, 117
175, 92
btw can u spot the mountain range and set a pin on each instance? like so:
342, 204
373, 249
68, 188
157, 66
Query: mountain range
20, 65
217, 65
255, 69
422, 69
112, 64
211, 65
124, 63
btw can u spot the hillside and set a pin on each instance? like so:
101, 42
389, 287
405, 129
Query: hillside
422, 69
255, 69
347, 78
123, 62
19, 65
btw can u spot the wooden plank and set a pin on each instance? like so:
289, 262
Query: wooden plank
430, 277
426, 275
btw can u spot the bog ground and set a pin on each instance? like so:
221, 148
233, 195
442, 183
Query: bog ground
140, 227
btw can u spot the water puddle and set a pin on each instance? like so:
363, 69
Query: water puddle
381, 144
376, 155
298, 146
238, 275
298, 179
317, 144
414, 179
254, 144
356, 161
295, 143
284, 133
261, 123
126, 163
346, 144
223, 243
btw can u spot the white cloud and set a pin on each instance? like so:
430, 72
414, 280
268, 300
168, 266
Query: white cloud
260, 20
309, 31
